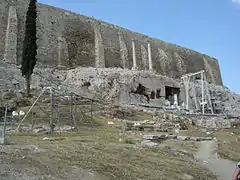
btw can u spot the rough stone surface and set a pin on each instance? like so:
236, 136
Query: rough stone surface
86, 47
183, 138
63, 56
156, 137
187, 177
43, 129
112, 85
99, 49
144, 64
10, 54
216, 122
123, 51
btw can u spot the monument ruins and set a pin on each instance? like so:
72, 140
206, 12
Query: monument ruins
117, 64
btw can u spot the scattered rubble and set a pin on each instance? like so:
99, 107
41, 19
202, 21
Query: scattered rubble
156, 137
213, 122
118, 86
111, 85
42, 129
182, 138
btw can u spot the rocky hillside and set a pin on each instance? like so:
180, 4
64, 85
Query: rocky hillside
107, 85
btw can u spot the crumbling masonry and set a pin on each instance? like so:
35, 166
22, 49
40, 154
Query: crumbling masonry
70, 40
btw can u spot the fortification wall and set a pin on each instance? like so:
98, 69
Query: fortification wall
69, 39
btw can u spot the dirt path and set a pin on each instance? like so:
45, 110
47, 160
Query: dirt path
207, 154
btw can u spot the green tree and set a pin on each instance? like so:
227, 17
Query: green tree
30, 45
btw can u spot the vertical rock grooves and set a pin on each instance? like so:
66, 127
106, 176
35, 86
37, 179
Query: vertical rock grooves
209, 71
144, 55
10, 54
181, 67
99, 49
164, 61
63, 56
123, 50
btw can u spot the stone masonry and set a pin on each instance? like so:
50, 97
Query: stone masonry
10, 54
73, 40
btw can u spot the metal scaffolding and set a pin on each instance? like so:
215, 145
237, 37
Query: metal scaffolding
205, 95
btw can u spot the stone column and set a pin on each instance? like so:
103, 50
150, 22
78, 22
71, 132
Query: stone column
149, 58
10, 54
134, 56
99, 49
175, 100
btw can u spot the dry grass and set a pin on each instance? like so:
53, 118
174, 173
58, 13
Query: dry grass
194, 132
99, 149
229, 146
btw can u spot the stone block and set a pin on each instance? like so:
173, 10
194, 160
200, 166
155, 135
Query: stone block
183, 138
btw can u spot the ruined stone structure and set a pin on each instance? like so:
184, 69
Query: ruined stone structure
71, 40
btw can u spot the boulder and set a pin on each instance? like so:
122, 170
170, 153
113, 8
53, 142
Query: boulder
183, 138
149, 144
187, 177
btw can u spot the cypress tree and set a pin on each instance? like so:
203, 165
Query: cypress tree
29, 45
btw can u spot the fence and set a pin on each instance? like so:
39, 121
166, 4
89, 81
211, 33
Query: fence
56, 108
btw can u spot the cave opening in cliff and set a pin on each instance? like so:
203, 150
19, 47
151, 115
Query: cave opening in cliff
170, 92
86, 84
158, 94
152, 95
142, 90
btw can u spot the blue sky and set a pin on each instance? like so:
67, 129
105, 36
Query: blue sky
209, 26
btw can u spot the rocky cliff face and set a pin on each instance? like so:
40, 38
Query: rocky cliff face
72, 40
114, 85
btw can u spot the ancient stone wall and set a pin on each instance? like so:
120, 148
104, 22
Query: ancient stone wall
72, 40
10, 53
20, 6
